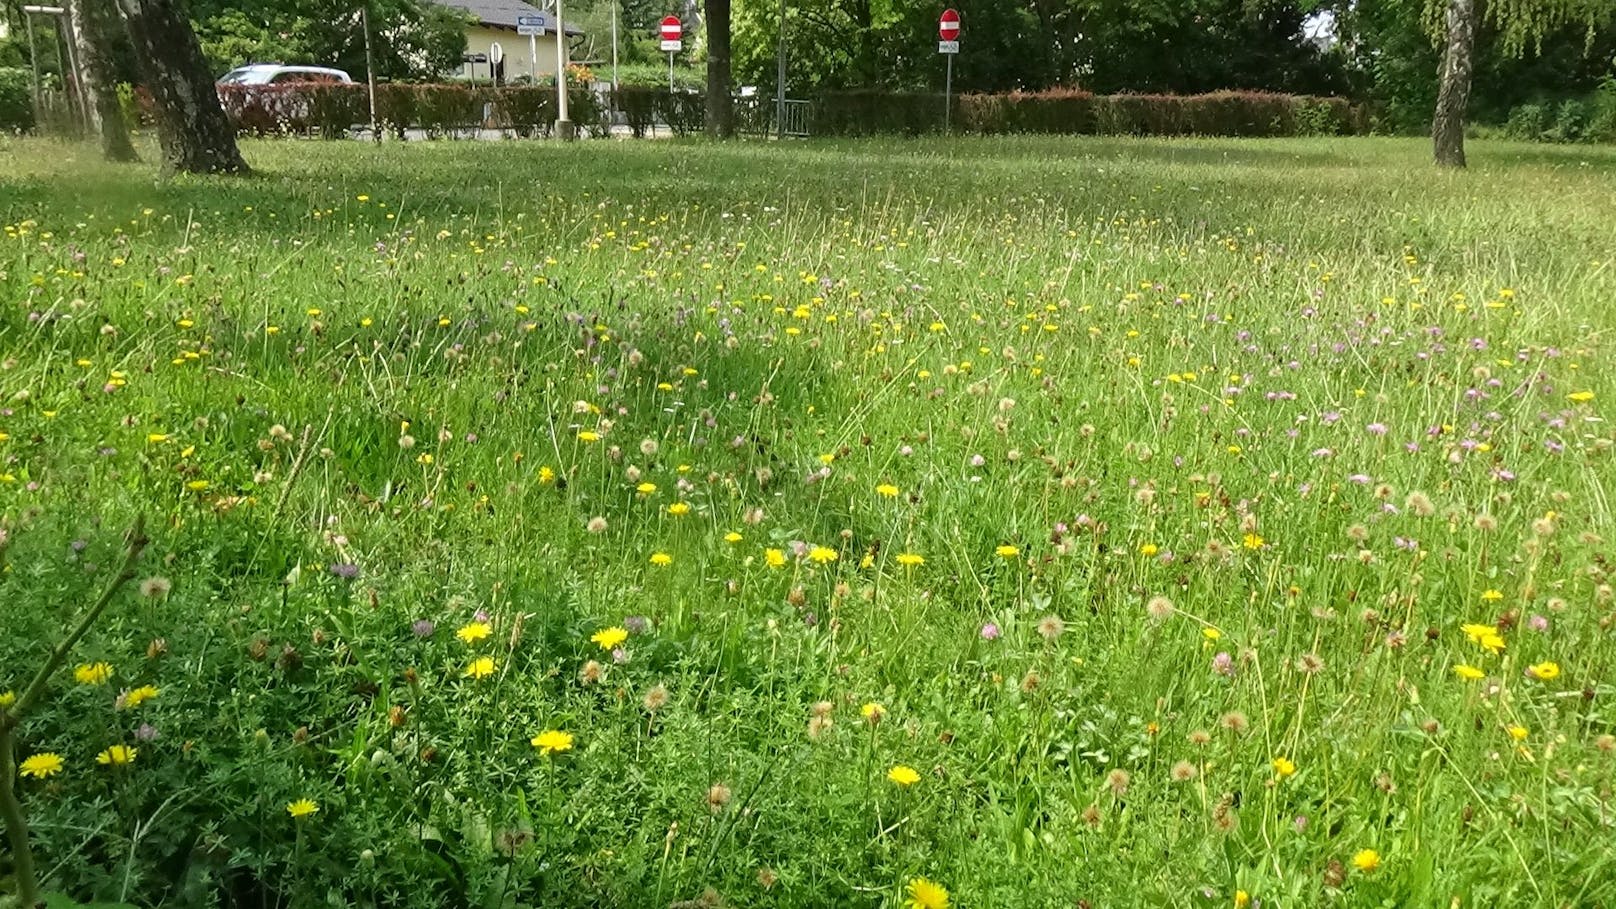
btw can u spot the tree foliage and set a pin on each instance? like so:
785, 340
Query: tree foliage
413, 39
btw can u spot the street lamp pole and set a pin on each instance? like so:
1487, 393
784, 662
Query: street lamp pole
564, 128
780, 79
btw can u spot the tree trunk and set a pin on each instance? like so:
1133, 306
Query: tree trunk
720, 107
192, 129
94, 25
1447, 126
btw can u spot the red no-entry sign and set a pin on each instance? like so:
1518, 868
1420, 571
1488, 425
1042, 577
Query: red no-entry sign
671, 30
948, 26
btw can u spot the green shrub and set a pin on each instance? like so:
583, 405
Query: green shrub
16, 101
1602, 112
1527, 122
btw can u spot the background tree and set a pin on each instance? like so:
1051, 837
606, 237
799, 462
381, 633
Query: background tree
411, 39
1521, 24
720, 104
95, 35
192, 129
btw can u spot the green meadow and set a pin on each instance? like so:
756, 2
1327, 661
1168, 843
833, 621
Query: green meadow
1025, 522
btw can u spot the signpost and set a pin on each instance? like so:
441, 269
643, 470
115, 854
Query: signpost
671, 32
532, 27
948, 29
496, 56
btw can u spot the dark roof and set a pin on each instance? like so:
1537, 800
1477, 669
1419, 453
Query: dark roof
502, 13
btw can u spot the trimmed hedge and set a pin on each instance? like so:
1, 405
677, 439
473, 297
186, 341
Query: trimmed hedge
331, 111
452, 109
1067, 111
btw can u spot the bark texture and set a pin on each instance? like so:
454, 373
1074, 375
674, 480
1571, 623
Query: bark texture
720, 105
94, 24
1447, 126
192, 129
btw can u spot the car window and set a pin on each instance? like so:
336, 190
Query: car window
288, 77
235, 76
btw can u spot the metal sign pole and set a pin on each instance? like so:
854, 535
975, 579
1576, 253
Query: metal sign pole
780, 79
670, 71
614, 45
948, 94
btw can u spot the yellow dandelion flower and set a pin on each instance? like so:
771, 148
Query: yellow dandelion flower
1475, 631
1545, 671
93, 673
1284, 767
733, 537
823, 554
7, 698
872, 711
679, 509
1366, 860
645, 488
1148, 549
1492, 596
1580, 397
887, 490
1252, 541
910, 559
609, 638
1492, 643
302, 808
1469, 673
903, 775
588, 436
41, 765
1006, 551
480, 668
1518, 733
117, 756
552, 741
546, 476
925, 894
775, 558
472, 632
1211, 634
136, 696
661, 559
1242, 899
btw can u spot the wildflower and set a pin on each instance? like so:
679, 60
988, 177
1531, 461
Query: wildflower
1117, 781
872, 712
1492, 596
155, 588
302, 808
1051, 627
596, 524
990, 632
903, 775
822, 555
924, 894
587, 436
910, 560
887, 490
137, 696
1252, 541
1211, 634
1468, 673
93, 673
1518, 733
552, 741
1159, 608
1366, 860
1580, 397
775, 558
117, 756
482, 667
1544, 671
1242, 899
546, 476
1148, 549
472, 632
1182, 772
7, 698
732, 537
656, 698
1007, 551
609, 638
645, 489
1284, 767
661, 559
423, 628
718, 795
41, 765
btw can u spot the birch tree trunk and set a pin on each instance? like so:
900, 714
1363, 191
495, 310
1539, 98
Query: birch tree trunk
1447, 126
192, 129
94, 25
